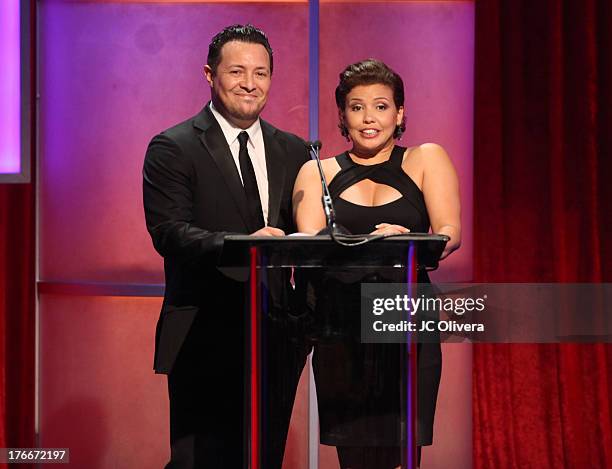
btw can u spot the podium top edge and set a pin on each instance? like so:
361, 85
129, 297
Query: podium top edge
327, 238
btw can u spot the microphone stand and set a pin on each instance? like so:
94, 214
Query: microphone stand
328, 206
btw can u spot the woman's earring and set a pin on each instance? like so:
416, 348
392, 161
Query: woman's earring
344, 131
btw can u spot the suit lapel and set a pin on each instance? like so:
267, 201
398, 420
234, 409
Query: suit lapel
275, 165
214, 141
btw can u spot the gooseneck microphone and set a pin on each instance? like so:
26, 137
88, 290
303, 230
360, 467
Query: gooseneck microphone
328, 206
338, 233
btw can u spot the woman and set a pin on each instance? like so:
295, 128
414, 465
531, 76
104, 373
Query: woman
378, 188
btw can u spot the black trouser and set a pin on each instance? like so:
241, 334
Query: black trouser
207, 402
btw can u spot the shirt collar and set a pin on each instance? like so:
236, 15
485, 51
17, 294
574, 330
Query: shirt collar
231, 132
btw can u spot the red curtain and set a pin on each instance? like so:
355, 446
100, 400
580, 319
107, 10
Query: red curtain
543, 140
17, 325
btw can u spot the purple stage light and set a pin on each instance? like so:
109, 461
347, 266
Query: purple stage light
10, 89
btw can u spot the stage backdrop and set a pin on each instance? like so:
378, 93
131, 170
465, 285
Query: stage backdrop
112, 75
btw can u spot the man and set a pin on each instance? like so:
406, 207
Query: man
223, 171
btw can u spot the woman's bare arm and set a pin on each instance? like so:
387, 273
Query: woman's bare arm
441, 191
307, 209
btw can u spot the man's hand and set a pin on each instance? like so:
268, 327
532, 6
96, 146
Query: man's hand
268, 231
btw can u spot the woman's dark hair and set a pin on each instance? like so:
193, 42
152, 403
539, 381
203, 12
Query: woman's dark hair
236, 32
369, 72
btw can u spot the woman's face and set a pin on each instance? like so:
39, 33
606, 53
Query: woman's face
370, 116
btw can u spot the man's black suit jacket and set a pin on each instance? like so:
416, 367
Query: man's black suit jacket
193, 197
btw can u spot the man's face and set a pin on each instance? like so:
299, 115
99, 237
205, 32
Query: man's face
241, 82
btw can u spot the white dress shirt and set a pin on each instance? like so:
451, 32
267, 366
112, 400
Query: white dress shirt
257, 153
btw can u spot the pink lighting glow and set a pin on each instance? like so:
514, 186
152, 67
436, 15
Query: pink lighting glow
10, 143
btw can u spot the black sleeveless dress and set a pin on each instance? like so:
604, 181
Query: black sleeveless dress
358, 385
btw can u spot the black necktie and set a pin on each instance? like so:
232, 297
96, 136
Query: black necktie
250, 183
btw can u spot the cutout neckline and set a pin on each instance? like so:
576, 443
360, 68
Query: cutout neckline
372, 206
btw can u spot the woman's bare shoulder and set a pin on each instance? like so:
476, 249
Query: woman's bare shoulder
330, 167
426, 149
330, 162
310, 172
426, 154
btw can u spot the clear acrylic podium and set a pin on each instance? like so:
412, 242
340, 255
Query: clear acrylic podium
279, 309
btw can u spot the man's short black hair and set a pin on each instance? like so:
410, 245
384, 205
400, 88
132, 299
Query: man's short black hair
236, 32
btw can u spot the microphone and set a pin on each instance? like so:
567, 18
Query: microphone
314, 144
328, 207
